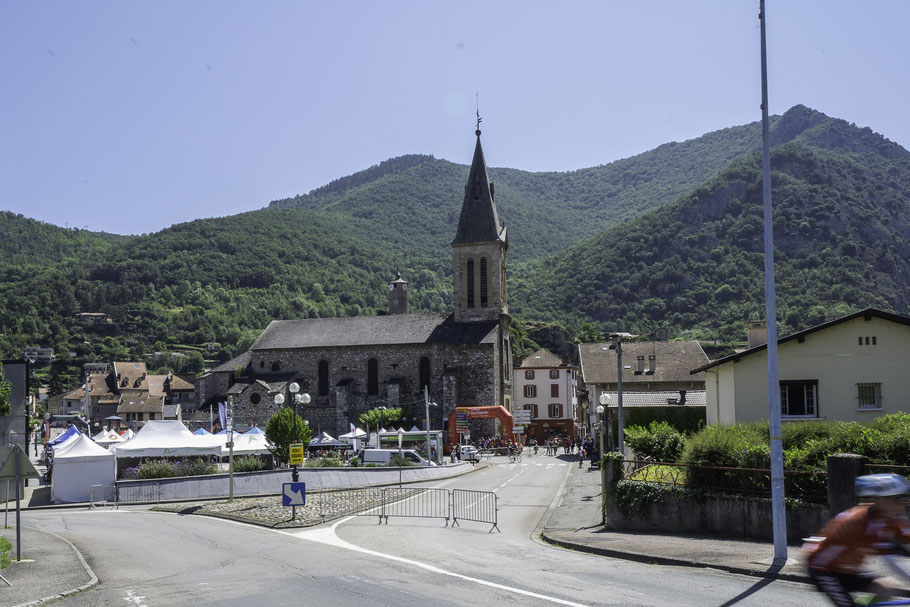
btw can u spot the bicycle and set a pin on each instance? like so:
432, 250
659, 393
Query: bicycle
514, 457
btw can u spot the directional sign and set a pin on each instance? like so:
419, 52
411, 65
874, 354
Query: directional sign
26, 468
296, 454
518, 429
293, 494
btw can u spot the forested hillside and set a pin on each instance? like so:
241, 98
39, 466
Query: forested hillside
841, 200
669, 238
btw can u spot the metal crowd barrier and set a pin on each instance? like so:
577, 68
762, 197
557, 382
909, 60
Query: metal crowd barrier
100, 495
351, 502
139, 494
478, 506
415, 503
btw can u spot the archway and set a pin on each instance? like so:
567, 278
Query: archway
470, 413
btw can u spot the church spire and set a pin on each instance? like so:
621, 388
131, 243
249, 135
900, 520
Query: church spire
479, 221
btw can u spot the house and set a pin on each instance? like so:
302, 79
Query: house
38, 355
178, 392
546, 385
351, 365
852, 368
655, 374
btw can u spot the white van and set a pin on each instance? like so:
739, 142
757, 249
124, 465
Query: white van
381, 457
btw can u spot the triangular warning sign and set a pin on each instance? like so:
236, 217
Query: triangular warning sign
26, 468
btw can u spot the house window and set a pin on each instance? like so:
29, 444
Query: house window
276, 367
483, 282
530, 391
532, 409
529, 374
554, 390
424, 372
372, 377
152, 415
323, 378
554, 373
799, 398
470, 283
869, 396
556, 410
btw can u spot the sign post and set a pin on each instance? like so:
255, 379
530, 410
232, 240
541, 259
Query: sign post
293, 495
17, 467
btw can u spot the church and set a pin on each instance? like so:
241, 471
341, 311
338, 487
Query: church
353, 364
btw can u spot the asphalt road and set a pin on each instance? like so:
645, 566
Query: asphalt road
148, 558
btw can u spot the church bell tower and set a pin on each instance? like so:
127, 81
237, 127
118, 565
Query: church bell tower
479, 250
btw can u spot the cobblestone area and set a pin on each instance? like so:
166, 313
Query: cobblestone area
269, 512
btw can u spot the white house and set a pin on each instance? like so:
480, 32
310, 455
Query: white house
546, 385
854, 368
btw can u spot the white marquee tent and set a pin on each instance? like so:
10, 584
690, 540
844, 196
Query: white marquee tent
78, 465
168, 438
247, 444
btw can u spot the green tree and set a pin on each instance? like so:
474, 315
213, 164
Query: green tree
385, 417
4, 394
279, 431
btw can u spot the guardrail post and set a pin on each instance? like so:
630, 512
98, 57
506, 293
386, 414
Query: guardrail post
843, 469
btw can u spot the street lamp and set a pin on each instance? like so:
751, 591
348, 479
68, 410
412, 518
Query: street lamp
427, 403
303, 399
379, 431
617, 345
601, 409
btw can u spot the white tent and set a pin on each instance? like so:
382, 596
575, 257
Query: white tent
107, 439
247, 444
164, 439
77, 466
100, 435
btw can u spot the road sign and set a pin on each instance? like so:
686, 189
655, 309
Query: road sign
293, 494
296, 454
518, 429
26, 468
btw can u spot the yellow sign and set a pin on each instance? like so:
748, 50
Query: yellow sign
296, 454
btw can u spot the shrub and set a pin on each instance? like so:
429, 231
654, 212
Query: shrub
194, 467
5, 548
659, 440
399, 461
249, 463
156, 469
324, 462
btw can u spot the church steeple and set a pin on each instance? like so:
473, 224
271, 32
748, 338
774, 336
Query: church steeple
479, 221
479, 249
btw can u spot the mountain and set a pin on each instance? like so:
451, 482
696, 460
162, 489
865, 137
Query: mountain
671, 237
841, 233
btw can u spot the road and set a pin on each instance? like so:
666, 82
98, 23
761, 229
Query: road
149, 558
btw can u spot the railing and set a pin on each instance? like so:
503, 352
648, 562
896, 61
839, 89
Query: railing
139, 493
100, 495
416, 503
883, 468
809, 486
351, 502
478, 506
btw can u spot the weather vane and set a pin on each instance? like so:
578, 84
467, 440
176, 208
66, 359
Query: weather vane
477, 105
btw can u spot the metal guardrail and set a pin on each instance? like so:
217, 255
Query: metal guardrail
101, 495
416, 503
139, 494
478, 506
351, 502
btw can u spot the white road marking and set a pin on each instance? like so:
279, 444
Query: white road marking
133, 599
329, 537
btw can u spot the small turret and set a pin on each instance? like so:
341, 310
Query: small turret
398, 296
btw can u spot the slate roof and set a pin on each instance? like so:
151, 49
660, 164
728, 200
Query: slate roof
156, 384
396, 329
694, 398
542, 359
185, 381
144, 404
674, 362
240, 361
867, 314
135, 374
479, 221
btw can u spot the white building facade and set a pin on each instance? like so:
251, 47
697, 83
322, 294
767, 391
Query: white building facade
546, 385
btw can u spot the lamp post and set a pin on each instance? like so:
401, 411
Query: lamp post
600, 416
617, 343
303, 399
427, 403
379, 430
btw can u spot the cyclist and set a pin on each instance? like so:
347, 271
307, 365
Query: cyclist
878, 525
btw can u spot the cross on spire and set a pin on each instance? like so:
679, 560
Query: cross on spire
479, 119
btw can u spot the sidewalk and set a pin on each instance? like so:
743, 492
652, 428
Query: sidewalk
575, 523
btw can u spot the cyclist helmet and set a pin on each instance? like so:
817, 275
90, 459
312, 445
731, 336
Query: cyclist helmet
882, 485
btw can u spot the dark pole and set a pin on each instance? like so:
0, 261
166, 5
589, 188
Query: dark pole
294, 475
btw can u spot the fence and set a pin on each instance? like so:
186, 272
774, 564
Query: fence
139, 494
478, 506
808, 486
100, 495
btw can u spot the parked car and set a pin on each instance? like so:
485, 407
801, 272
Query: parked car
382, 457
470, 453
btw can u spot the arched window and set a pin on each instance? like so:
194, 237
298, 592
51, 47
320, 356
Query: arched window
483, 282
470, 282
372, 377
424, 372
323, 378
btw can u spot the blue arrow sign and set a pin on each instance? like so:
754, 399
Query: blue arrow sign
293, 494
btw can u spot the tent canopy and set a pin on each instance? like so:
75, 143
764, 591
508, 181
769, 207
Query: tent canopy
202, 432
355, 433
69, 433
247, 444
164, 439
255, 430
77, 466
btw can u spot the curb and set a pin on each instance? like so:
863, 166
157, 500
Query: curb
93, 579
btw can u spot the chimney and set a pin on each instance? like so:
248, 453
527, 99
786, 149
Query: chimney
757, 333
652, 360
641, 365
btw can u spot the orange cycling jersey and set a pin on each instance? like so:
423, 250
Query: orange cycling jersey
852, 536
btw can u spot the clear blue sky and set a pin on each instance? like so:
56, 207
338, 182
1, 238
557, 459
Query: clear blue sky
128, 117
